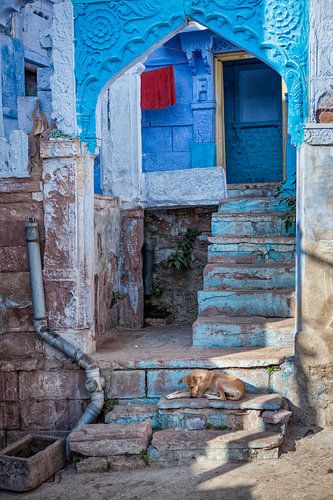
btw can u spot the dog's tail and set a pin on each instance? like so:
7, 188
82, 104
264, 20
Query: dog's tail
181, 381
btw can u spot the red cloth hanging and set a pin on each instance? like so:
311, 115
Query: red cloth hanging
158, 88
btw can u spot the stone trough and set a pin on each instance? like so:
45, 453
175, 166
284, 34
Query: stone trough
30, 461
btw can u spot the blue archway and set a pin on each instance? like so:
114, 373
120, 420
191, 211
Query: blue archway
112, 35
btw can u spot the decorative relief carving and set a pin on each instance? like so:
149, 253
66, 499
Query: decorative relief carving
321, 52
110, 35
317, 135
273, 30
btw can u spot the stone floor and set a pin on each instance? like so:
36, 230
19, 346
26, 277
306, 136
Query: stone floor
304, 472
171, 347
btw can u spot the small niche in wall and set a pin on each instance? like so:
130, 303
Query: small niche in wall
30, 81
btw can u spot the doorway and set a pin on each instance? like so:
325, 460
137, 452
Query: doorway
250, 120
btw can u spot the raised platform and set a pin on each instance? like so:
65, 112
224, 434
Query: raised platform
171, 347
143, 365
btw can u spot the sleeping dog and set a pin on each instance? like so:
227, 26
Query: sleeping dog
199, 381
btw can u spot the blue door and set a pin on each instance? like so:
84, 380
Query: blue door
253, 122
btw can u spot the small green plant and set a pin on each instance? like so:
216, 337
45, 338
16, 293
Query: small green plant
289, 198
108, 466
211, 427
144, 457
180, 259
74, 458
157, 291
57, 134
273, 368
109, 404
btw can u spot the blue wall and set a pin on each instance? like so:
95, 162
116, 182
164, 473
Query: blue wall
182, 136
12, 73
167, 134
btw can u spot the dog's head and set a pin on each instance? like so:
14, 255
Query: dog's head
196, 382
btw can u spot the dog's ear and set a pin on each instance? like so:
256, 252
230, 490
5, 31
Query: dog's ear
181, 381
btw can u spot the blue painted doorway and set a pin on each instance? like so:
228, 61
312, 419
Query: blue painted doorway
253, 122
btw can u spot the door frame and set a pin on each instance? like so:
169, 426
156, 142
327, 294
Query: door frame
219, 60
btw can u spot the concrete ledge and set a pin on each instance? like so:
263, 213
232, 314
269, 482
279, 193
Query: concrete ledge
189, 187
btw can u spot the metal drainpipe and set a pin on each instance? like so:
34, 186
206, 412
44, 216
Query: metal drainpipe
94, 382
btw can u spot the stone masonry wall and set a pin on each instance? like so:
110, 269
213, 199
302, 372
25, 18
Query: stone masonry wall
175, 292
38, 390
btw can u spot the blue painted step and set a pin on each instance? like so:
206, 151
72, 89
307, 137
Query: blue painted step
249, 276
268, 303
251, 224
244, 249
253, 331
253, 205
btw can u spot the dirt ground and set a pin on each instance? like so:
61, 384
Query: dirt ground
304, 472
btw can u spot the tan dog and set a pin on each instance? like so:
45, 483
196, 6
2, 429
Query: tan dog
199, 381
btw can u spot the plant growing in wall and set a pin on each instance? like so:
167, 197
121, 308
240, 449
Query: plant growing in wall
180, 259
290, 198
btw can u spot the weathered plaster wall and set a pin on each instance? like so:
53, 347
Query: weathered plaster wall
164, 228
131, 279
69, 239
107, 265
314, 342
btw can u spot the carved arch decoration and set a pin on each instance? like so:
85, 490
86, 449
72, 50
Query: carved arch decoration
112, 35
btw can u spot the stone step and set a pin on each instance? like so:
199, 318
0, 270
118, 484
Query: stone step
229, 332
248, 402
266, 303
133, 413
252, 224
100, 440
171, 447
247, 276
203, 413
259, 190
253, 250
253, 205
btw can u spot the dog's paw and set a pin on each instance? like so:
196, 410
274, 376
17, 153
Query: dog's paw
212, 396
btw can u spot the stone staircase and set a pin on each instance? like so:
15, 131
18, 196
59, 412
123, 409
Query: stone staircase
245, 327
249, 281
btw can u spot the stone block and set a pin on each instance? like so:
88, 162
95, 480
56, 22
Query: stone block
14, 436
20, 320
76, 408
9, 416
15, 285
104, 440
127, 384
44, 415
132, 413
171, 447
276, 417
110, 464
43, 78
8, 386
25, 107
20, 345
13, 259
62, 384
30, 461
161, 382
